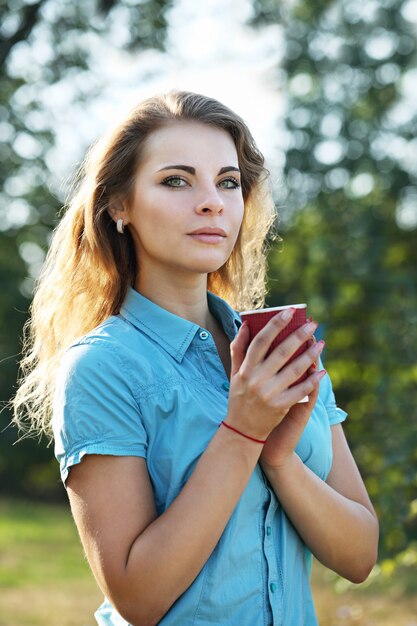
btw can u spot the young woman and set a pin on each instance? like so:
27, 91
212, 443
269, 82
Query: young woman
199, 484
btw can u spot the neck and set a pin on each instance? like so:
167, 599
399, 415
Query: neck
183, 296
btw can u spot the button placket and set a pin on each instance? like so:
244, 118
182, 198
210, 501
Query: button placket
274, 580
268, 527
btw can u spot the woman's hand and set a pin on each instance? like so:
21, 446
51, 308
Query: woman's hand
283, 440
261, 394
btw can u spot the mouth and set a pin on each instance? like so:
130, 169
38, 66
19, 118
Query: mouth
208, 235
209, 230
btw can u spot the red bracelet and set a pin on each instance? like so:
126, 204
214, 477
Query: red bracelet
243, 434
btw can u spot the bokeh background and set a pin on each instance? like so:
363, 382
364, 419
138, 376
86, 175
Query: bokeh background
329, 89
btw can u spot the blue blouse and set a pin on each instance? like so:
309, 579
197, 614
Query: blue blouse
140, 384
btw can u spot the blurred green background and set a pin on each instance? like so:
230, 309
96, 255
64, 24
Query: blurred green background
335, 86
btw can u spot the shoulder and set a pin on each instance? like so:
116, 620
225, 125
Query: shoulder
96, 406
113, 333
113, 346
98, 365
90, 353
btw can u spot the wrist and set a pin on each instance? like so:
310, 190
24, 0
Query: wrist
238, 446
282, 468
242, 434
233, 420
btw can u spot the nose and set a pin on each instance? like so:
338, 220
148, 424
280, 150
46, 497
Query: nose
210, 202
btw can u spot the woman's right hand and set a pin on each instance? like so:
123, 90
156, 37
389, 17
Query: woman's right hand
260, 388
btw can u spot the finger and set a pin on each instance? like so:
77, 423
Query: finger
260, 345
313, 366
302, 364
312, 397
238, 347
287, 348
306, 388
296, 370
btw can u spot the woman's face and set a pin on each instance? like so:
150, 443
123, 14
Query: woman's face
187, 205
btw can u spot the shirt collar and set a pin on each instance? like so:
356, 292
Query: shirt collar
173, 333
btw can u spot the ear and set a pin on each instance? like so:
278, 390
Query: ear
116, 210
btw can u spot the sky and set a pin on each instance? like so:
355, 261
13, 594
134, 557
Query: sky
222, 58
209, 49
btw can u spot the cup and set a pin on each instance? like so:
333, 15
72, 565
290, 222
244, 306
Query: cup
257, 319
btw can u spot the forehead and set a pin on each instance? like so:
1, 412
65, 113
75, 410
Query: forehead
183, 142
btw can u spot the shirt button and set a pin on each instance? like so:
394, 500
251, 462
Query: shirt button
226, 386
268, 530
273, 587
204, 335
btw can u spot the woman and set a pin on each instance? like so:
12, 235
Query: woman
199, 484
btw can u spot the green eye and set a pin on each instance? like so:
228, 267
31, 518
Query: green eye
174, 181
230, 183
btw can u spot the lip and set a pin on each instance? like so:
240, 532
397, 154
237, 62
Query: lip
208, 235
209, 230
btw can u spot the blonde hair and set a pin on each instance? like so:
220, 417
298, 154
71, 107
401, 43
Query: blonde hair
89, 266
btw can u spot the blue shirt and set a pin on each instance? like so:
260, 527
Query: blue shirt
151, 384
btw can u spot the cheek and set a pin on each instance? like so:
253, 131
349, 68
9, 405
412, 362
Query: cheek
158, 229
238, 216
236, 224
155, 230
150, 214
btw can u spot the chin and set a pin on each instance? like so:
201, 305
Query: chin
207, 266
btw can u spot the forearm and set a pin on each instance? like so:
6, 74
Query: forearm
166, 558
341, 533
144, 562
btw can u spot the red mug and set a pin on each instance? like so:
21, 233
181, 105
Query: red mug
257, 319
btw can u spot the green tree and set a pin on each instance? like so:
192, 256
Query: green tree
46, 47
349, 220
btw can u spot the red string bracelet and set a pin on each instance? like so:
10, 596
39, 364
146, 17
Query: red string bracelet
243, 434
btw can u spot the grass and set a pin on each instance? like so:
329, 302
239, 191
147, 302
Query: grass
45, 580
380, 602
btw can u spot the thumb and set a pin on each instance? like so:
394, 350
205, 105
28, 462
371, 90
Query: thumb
239, 346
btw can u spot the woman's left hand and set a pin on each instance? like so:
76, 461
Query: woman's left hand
283, 440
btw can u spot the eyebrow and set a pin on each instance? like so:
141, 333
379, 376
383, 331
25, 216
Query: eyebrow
191, 170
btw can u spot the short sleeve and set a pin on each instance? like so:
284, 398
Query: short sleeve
326, 394
95, 410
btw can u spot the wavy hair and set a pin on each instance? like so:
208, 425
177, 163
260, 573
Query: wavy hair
89, 267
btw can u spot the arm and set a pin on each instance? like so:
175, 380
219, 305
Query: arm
143, 563
335, 518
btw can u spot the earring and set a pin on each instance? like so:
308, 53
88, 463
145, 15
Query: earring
120, 226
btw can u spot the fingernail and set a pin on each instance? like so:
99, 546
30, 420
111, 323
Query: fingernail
310, 327
318, 347
313, 366
321, 374
287, 314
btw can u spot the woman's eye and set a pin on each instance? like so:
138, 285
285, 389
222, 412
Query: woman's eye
174, 181
230, 183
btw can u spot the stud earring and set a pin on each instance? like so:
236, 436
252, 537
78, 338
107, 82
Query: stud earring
120, 226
